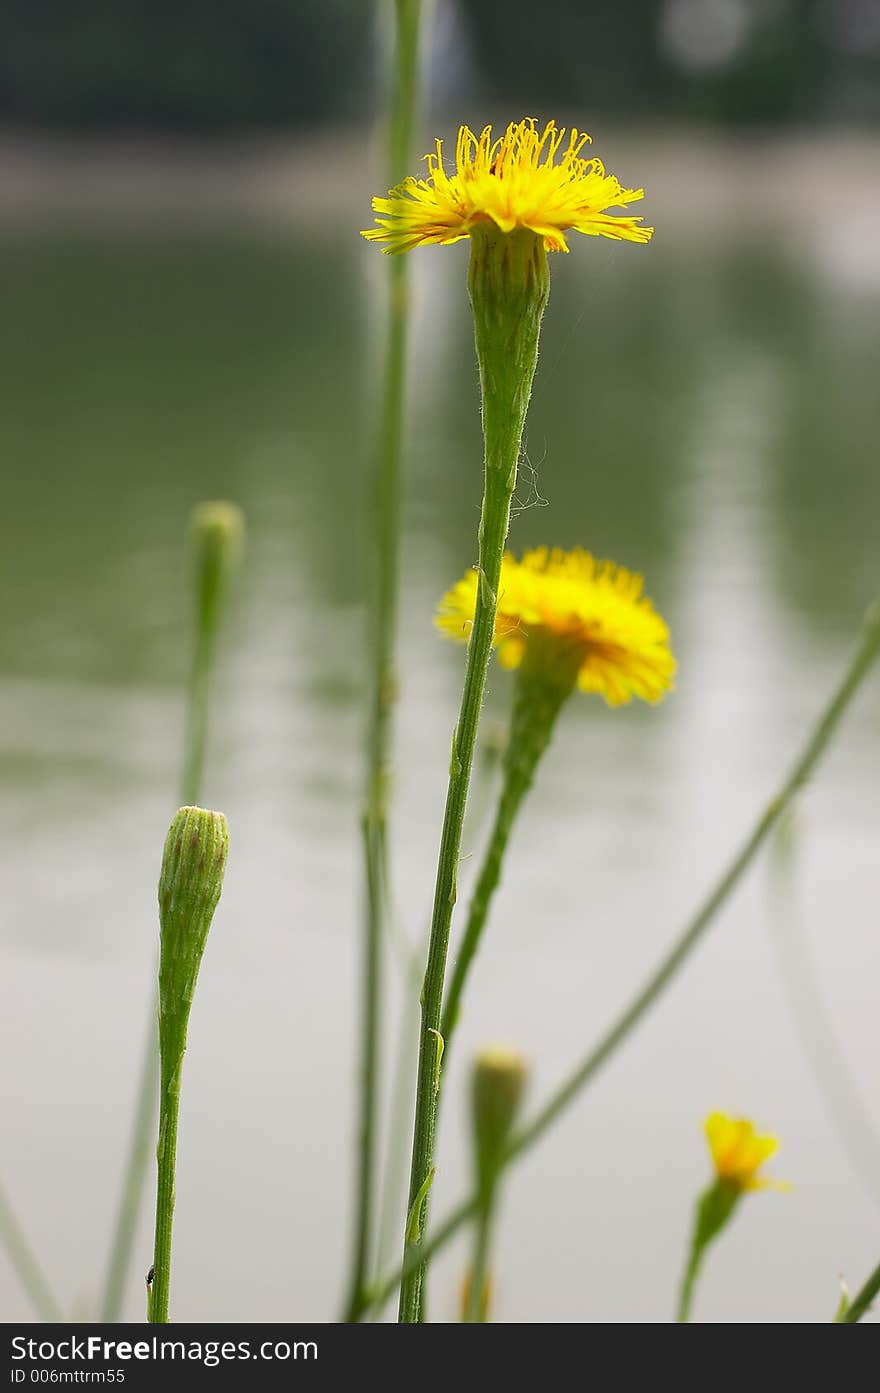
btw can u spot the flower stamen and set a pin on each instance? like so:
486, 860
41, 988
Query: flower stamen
513, 181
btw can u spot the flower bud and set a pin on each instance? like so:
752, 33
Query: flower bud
499, 1080
217, 537
189, 888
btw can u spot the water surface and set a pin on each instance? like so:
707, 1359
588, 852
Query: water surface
706, 411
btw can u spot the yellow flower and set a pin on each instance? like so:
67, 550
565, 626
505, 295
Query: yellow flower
738, 1152
592, 610
513, 181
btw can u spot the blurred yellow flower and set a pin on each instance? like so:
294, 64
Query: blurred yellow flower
738, 1152
590, 612
513, 181
485, 1296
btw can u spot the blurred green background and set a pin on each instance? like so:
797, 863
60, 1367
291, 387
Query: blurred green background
189, 313
203, 65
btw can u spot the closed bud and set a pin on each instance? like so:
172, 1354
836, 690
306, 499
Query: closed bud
499, 1080
189, 888
217, 535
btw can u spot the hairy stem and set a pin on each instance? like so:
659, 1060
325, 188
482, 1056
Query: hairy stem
508, 286
166, 1155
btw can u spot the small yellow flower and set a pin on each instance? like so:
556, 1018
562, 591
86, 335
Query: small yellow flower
591, 609
513, 181
738, 1152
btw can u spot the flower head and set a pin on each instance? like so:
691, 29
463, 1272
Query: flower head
738, 1152
514, 181
591, 612
190, 883
497, 1086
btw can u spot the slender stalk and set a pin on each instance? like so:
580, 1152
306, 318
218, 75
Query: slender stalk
538, 699
398, 1123
862, 1302
815, 746
686, 1294
383, 607
26, 1264
508, 284
216, 532
375, 856
169, 1114
476, 1310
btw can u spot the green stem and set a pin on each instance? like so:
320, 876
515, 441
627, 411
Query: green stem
476, 1311
384, 593
817, 741
508, 284
863, 1300
482, 778
395, 1160
26, 1265
686, 1294
375, 856
538, 699
405, 89
166, 1154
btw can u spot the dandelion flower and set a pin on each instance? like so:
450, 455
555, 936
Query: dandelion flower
738, 1152
566, 606
525, 178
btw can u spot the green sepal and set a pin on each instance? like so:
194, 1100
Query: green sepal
714, 1210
